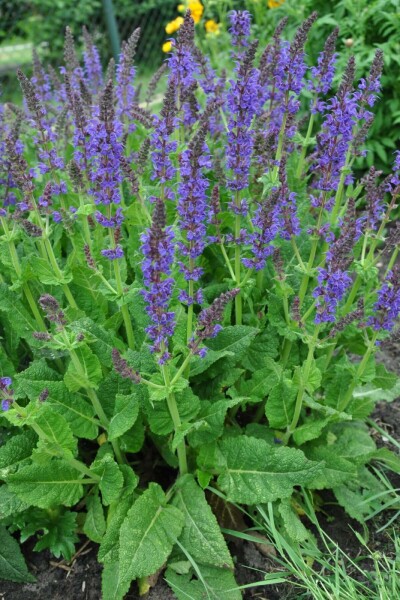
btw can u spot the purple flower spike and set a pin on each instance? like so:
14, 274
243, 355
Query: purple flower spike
243, 103
158, 251
334, 280
240, 21
5, 393
387, 306
113, 253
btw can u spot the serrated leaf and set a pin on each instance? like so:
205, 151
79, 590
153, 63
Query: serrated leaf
95, 523
41, 270
263, 346
159, 417
79, 414
108, 551
47, 485
212, 415
257, 472
308, 377
56, 437
215, 584
90, 373
201, 535
361, 495
101, 341
280, 404
259, 385
22, 323
337, 469
12, 563
16, 450
147, 536
126, 412
294, 527
10, 504
111, 481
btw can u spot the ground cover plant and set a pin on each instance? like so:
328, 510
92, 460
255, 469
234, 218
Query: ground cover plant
190, 305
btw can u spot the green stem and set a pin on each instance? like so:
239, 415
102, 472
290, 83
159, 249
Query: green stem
238, 297
302, 387
58, 273
124, 307
174, 412
392, 261
98, 409
26, 289
360, 370
227, 261
300, 165
339, 191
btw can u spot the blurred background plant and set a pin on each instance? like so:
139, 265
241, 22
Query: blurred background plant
364, 26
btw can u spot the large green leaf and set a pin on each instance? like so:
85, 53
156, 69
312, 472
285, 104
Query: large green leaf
280, 404
111, 481
211, 584
95, 523
126, 412
10, 504
47, 485
16, 450
261, 382
88, 375
258, 472
108, 551
56, 436
147, 536
79, 413
201, 535
12, 563
264, 346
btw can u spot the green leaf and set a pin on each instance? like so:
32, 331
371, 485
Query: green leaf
235, 339
257, 472
10, 504
211, 584
88, 375
212, 415
159, 418
112, 479
95, 523
16, 450
101, 341
260, 384
384, 379
12, 563
309, 378
280, 404
361, 495
108, 551
40, 270
201, 535
47, 485
147, 536
294, 527
56, 437
263, 346
79, 413
22, 323
126, 412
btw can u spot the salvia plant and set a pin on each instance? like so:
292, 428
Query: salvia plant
190, 304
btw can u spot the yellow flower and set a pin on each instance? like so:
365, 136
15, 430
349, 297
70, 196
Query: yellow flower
211, 26
275, 3
166, 47
174, 25
196, 10
181, 8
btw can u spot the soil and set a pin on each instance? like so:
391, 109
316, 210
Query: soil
81, 580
